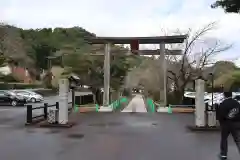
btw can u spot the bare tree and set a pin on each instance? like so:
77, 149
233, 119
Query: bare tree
198, 51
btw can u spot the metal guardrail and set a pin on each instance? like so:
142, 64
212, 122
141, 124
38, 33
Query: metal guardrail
114, 105
30, 119
151, 105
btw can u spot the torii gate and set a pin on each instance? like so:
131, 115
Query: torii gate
134, 42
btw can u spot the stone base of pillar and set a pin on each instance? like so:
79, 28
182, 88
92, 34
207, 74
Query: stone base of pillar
204, 128
55, 125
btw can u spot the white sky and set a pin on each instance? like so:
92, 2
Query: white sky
125, 17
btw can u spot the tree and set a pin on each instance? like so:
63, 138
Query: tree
197, 53
229, 81
13, 47
230, 6
2, 60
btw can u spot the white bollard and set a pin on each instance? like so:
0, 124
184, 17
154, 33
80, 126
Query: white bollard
63, 101
212, 119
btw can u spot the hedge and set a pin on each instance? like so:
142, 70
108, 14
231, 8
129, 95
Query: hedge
6, 86
47, 92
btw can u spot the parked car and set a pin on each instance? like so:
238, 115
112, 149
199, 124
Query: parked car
29, 95
10, 98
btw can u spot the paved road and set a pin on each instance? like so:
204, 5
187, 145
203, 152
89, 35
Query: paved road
136, 105
113, 136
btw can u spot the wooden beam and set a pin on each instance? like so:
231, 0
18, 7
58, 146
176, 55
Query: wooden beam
141, 52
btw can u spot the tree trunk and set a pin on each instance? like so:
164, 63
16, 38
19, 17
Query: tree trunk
97, 95
178, 96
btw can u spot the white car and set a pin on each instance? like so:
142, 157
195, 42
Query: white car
30, 96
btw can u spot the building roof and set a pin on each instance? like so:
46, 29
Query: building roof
142, 40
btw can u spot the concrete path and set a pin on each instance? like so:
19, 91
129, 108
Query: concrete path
136, 105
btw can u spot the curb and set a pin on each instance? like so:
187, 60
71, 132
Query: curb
85, 108
48, 125
202, 129
183, 110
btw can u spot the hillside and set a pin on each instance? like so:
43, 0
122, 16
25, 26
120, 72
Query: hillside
30, 47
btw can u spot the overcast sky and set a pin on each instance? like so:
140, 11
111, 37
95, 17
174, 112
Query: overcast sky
124, 17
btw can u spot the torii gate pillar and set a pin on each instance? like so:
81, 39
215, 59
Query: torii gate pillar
163, 70
106, 75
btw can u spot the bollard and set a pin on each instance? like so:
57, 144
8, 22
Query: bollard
170, 111
45, 110
57, 105
57, 109
97, 107
153, 107
76, 108
29, 114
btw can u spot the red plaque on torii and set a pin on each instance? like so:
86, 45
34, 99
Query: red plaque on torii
134, 46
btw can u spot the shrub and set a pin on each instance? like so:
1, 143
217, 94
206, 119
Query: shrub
8, 78
6, 86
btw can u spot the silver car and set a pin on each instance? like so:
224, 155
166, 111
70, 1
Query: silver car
30, 96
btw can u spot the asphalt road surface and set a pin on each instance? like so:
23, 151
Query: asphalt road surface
113, 136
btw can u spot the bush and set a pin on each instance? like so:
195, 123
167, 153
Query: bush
46, 92
6, 86
8, 78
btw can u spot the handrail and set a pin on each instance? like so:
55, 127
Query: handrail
116, 104
151, 105
30, 117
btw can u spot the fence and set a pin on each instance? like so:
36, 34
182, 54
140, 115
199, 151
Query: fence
30, 119
84, 99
